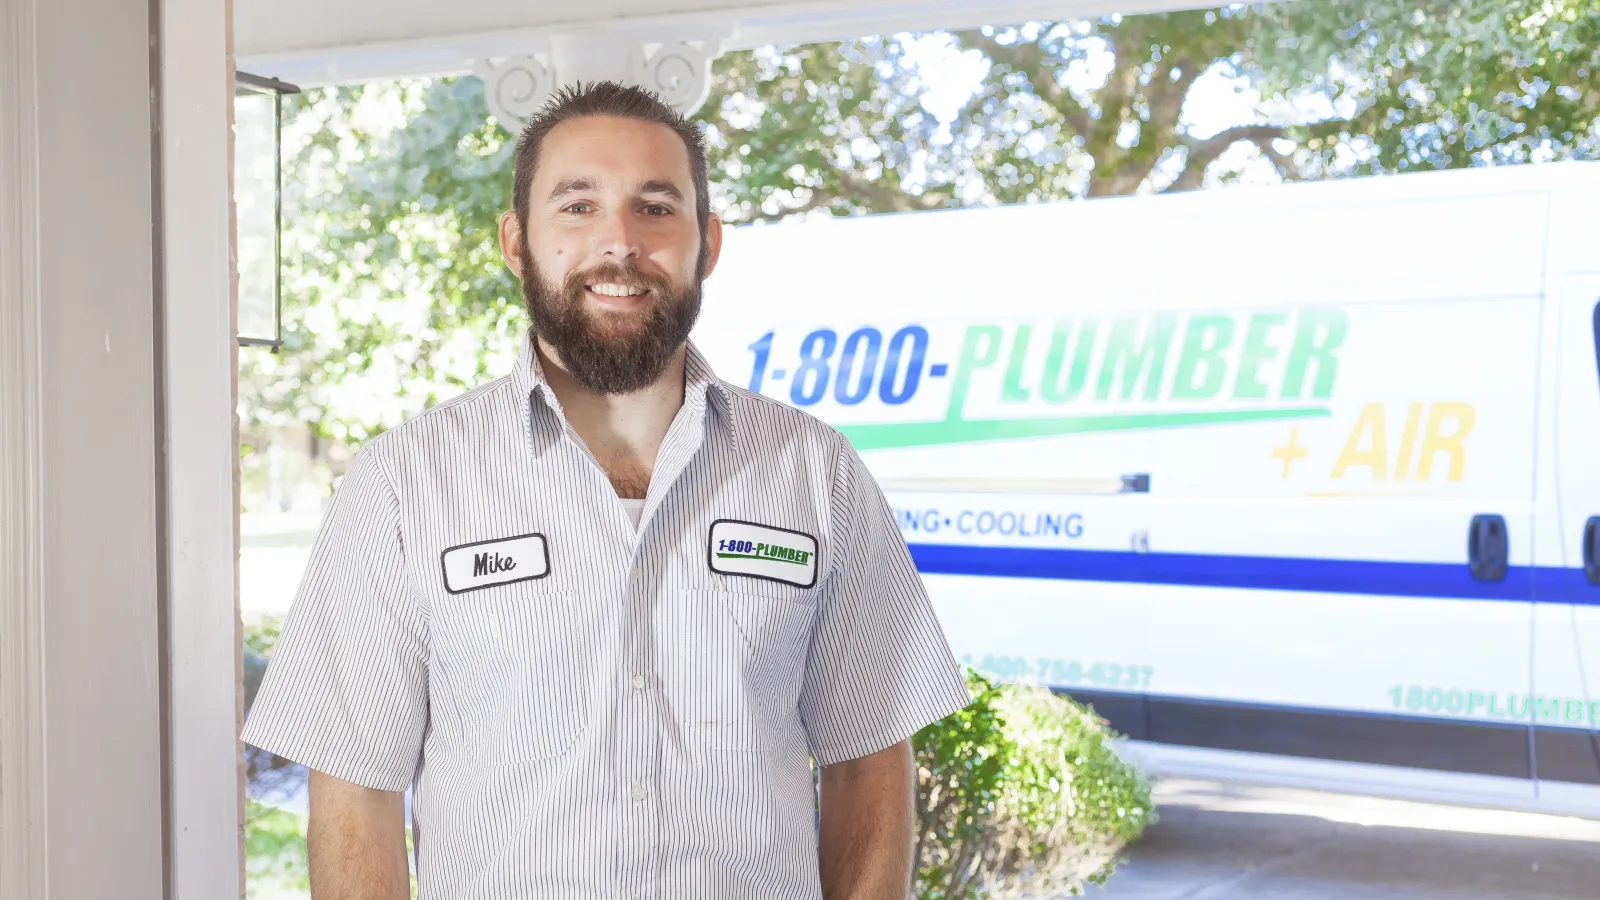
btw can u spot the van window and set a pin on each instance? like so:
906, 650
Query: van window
1597, 338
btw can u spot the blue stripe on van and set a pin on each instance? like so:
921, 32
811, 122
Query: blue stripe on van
1272, 573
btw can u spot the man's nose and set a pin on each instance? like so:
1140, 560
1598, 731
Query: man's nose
617, 237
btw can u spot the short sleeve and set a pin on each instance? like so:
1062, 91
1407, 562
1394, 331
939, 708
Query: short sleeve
879, 667
346, 690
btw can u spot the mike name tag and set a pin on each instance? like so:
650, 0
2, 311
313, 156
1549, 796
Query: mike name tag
761, 551
469, 567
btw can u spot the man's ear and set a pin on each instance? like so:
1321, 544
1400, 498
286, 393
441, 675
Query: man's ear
713, 239
511, 239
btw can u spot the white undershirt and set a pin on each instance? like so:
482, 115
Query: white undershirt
635, 509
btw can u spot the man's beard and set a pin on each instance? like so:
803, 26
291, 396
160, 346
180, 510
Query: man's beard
609, 352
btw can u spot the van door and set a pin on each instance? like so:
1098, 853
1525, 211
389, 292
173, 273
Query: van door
1567, 643
1355, 585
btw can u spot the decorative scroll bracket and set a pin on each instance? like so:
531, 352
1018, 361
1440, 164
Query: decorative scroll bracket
678, 70
515, 88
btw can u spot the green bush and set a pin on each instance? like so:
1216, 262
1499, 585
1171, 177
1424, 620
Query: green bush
1021, 795
275, 852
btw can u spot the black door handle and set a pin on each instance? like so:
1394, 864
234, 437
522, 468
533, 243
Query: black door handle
1487, 548
1591, 550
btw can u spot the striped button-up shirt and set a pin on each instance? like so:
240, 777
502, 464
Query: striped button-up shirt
588, 709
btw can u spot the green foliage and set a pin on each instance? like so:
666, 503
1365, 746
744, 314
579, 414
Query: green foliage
277, 863
394, 291
275, 852
261, 636
837, 128
1021, 794
1433, 86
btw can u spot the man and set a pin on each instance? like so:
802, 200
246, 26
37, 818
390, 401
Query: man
603, 613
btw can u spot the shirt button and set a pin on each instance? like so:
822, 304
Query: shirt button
639, 793
638, 682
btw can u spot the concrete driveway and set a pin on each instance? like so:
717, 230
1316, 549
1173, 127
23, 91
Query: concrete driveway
1218, 841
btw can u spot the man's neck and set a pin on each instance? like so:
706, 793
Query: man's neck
623, 431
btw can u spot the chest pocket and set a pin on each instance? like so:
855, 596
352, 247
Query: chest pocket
734, 662
521, 655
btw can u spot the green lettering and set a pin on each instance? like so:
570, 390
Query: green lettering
1050, 387
979, 349
1511, 707
1013, 391
1203, 342
1256, 351
1125, 351
1546, 709
1317, 337
1575, 711
1474, 700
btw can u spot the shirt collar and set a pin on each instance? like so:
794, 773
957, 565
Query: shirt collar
700, 383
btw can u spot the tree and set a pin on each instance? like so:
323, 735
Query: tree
395, 295
1434, 85
1047, 130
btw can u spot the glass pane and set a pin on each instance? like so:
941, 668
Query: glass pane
255, 193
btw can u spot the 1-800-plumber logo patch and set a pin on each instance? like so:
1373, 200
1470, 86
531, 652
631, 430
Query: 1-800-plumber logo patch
761, 551
469, 567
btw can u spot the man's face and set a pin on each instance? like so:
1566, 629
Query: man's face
610, 253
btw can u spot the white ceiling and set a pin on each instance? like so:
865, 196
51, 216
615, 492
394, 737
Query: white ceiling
312, 42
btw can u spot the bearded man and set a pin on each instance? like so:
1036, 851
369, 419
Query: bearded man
604, 615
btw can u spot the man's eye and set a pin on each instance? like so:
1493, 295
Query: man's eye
656, 209
579, 208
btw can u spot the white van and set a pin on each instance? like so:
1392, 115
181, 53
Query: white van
1297, 483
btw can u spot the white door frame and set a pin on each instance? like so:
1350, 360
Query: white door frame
119, 666
22, 844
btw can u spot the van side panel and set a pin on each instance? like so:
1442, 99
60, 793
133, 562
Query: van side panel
1322, 388
1567, 638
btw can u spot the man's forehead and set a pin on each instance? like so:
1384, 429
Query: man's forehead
613, 152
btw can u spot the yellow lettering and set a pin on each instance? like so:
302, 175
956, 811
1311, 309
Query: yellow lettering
1375, 456
1434, 439
1408, 441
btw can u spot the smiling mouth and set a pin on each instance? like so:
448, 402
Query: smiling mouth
617, 289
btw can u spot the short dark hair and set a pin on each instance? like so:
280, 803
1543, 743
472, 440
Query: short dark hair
607, 98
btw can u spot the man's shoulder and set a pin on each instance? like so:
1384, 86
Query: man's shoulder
775, 418
482, 405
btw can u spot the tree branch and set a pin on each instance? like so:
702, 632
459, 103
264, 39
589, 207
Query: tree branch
876, 196
1028, 59
1202, 153
1164, 97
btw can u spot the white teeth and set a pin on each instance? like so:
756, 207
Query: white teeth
616, 290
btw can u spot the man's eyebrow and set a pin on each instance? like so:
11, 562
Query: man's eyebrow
661, 186
571, 186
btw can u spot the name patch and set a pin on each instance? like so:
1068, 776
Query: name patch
490, 563
761, 551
